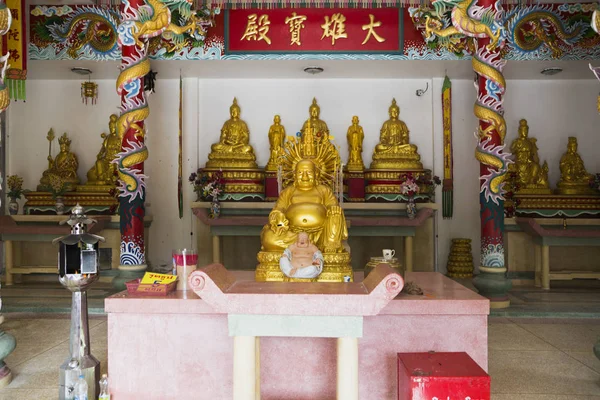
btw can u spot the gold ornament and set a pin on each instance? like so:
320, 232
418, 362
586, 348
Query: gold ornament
530, 176
355, 138
460, 260
89, 90
574, 179
394, 152
233, 149
104, 171
63, 167
276, 140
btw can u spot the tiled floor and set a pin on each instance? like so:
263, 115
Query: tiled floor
529, 359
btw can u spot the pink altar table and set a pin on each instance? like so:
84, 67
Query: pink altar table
179, 347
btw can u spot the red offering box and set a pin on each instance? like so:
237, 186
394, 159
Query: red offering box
447, 376
148, 289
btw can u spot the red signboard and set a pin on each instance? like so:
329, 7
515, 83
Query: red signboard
313, 30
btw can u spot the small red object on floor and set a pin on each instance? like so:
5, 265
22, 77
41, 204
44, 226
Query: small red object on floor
441, 376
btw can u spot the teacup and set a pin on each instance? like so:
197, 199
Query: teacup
388, 254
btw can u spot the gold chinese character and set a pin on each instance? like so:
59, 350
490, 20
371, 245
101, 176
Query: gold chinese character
257, 30
334, 28
371, 27
296, 24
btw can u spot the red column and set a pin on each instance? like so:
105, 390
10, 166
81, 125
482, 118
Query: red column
488, 65
134, 109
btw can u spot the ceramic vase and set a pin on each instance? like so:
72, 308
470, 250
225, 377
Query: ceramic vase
13, 206
60, 206
411, 208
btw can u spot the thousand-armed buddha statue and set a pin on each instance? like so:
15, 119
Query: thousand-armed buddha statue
63, 166
276, 139
574, 179
233, 149
318, 126
394, 150
306, 206
530, 176
104, 171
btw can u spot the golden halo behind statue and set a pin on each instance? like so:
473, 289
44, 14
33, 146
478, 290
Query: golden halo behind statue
324, 155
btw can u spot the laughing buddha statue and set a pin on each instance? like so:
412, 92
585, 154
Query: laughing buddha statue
394, 150
233, 149
307, 207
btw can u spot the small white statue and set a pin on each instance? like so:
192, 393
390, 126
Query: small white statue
301, 259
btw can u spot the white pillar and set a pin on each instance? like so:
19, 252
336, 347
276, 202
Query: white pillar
347, 368
244, 368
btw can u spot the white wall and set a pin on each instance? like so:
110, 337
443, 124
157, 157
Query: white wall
554, 109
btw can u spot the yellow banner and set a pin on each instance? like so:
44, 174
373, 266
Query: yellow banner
152, 278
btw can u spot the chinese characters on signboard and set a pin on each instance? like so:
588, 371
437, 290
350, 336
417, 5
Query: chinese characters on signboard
313, 30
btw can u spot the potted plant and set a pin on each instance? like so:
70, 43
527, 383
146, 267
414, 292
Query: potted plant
57, 187
15, 191
411, 186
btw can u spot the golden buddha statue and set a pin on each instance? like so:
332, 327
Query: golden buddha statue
306, 204
104, 171
531, 178
574, 179
233, 149
355, 138
394, 150
318, 126
64, 166
309, 207
276, 139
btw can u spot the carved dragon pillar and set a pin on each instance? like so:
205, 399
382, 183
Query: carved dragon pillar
490, 85
474, 26
130, 128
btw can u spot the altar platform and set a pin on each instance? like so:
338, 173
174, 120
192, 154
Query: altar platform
179, 347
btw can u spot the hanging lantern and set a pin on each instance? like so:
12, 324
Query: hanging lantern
89, 90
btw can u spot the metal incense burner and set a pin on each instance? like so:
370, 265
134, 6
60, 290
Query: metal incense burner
77, 270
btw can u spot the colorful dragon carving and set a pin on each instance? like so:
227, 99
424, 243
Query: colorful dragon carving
472, 21
532, 27
137, 28
88, 26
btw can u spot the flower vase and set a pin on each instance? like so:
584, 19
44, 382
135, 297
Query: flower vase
60, 206
411, 208
13, 206
215, 208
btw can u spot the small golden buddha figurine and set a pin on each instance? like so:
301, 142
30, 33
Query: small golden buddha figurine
233, 148
530, 176
320, 129
574, 179
355, 138
394, 150
305, 206
276, 139
64, 166
104, 171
